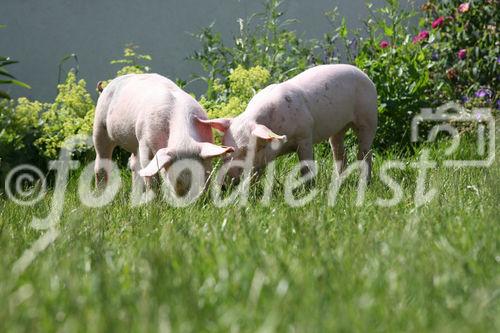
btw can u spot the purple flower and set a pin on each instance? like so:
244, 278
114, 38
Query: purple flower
498, 60
462, 54
482, 93
498, 104
384, 44
464, 99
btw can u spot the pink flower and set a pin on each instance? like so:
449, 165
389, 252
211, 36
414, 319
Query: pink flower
384, 44
438, 22
423, 35
464, 8
462, 54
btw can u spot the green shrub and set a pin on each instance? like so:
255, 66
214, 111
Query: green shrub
465, 48
71, 114
20, 126
34, 132
452, 59
400, 68
18, 122
243, 85
132, 62
263, 40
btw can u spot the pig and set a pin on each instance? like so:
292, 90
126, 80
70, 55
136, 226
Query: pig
321, 103
157, 122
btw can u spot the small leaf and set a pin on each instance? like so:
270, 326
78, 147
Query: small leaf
21, 84
388, 31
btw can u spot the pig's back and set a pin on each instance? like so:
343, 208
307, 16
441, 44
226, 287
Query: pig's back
336, 95
134, 98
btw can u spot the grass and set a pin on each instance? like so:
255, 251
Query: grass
265, 268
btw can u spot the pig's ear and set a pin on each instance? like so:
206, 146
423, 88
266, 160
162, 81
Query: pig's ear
264, 133
221, 124
209, 150
163, 157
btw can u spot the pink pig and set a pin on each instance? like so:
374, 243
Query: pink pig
320, 103
149, 116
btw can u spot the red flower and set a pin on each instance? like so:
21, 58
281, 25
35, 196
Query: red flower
384, 44
464, 8
462, 54
438, 22
423, 35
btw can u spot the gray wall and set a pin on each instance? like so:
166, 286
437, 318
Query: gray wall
40, 33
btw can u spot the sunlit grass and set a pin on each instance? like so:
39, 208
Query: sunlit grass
315, 268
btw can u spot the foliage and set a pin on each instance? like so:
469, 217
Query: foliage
70, 114
243, 85
132, 62
399, 67
464, 42
18, 121
454, 57
20, 126
6, 77
337, 41
42, 128
264, 39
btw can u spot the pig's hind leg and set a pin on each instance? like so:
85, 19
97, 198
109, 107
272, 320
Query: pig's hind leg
366, 135
104, 150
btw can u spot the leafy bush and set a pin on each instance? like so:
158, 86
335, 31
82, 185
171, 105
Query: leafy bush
464, 42
71, 114
399, 65
399, 68
19, 121
263, 40
243, 85
33, 132
132, 62
20, 126
454, 57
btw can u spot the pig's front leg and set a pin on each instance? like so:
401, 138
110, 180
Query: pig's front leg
145, 156
306, 155
366, 134
137, 181
338, 150
104, 152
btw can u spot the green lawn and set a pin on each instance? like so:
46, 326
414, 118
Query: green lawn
265, 268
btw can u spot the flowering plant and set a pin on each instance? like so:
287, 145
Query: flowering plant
465, 46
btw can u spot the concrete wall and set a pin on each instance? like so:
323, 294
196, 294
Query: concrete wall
40, 33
